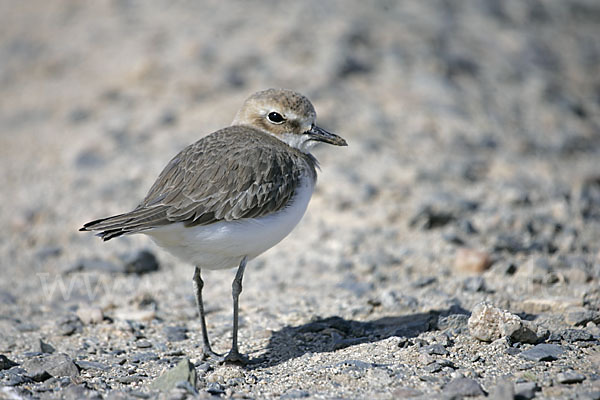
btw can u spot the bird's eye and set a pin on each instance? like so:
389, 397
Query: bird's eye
275, 117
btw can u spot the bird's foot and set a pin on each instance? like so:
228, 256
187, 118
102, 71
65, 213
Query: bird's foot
234, 357
207, 352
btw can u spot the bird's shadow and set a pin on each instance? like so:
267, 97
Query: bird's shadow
335, 333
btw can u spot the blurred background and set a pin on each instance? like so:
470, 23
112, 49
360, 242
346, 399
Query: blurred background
473, 130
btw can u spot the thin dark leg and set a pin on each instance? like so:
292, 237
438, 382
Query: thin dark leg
198, 285
234, 355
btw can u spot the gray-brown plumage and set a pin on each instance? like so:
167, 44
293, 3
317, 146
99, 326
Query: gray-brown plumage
233, 194
216, 179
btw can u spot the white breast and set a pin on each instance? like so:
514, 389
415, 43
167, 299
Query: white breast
224, 244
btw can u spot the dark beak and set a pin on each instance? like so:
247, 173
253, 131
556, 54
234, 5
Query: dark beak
321, 135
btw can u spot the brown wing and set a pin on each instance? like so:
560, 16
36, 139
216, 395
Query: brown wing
234, 173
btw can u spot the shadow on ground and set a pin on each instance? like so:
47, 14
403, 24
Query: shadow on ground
335, 333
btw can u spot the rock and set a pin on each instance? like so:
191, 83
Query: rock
436, 349
527, 333
462, 387
472, 261
175, 333
140, 262
44, 348
549, 304
526, 390
55, 365
474, 284
569, 377
183, 371
5, 363
215, 389
543, 352
504, 390
85, 365
93, 264
581, 316
456, 323
125, 314
488, 323
68, 325
392, 299
90, 315
576, 335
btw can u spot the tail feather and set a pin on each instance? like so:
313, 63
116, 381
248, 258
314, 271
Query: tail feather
124, 224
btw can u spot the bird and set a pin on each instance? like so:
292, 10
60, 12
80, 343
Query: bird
231, 195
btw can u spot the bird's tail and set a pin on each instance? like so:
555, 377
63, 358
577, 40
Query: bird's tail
123, 224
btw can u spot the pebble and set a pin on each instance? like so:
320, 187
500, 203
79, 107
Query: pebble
175, 333
56, 365
504, 390
576, 335
471, 261
184, 371
140, 262
44, 348
488, 323
90, 315
526, 390
569, 377
435, 349
581, 316
543, 352
549, 304
85, 365
5, 363
462, 387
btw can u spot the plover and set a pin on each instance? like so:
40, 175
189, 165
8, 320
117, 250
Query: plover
233, 194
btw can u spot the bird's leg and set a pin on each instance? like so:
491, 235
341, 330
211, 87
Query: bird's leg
198, 285
234, 355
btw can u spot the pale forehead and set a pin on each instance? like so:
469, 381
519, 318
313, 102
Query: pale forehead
285, 101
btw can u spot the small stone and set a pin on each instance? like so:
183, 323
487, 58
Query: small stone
526, 390
140, 262
294, 394
85, 365
143, 344
93, 264
471, 261
543, 352
474, 284
183, 371
55, 365
436, 349
457, 323
175, 333
134, 315
129, 379
5, 363
576, 335
504, 390
581, 316
215, 389
488, 323
462, 387
90, 315
68, 325
144, 357
44, 348
569, 377
549, 304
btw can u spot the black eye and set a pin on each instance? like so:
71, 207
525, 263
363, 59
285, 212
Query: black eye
275, 117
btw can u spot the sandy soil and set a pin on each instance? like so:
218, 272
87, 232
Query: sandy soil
471, 175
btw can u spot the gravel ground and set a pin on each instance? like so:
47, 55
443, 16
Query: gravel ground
451, 250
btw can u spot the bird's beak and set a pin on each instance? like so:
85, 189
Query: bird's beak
321, 135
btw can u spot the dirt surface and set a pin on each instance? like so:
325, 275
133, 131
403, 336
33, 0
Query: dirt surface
472, 174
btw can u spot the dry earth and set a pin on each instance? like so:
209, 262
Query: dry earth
472, 174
